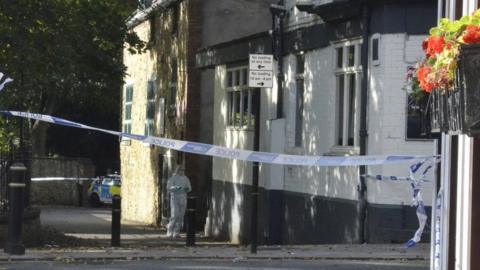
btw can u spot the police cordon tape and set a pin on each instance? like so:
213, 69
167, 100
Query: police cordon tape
416, 178
232, 153
416, 161
39, 179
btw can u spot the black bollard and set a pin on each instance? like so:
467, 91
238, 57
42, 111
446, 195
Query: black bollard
191, 209
116, 215
17, 185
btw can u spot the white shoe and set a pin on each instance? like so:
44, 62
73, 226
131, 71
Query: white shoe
167, 235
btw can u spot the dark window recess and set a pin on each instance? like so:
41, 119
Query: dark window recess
173, 82
375, 42
418, 119
300, 64
340, 57
153, 28
458, 9
175, 18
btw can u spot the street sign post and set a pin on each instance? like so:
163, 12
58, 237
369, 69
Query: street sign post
260, 71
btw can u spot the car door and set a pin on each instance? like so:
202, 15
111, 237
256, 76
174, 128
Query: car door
105, 195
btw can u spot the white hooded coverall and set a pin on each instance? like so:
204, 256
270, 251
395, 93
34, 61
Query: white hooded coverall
178, 186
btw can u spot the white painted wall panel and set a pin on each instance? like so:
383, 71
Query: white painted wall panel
387, 118
319, 130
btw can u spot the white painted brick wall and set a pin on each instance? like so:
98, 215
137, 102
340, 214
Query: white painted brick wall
387, 118
386, 126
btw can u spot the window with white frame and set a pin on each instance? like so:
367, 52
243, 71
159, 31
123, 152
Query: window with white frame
299, 99
348, 80
239, 98
150, 110
127, 109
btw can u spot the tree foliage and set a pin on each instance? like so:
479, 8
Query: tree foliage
65, 57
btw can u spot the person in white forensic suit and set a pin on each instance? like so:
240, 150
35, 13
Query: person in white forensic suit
178, 186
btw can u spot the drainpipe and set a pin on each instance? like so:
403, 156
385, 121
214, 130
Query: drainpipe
278, 13
362, 228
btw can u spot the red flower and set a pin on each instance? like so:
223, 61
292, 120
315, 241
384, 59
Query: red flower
435, 45
472, 35
422, 74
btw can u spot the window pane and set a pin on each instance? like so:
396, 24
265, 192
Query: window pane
351, 56
245, 108
149, 128
375, 49
339, 57
128, 111
150, 110
340, 84
129, 94
254, 96
231, 114
237, 78
127, 128
151, 90
229, 79
351, 109
245, 77
236, 120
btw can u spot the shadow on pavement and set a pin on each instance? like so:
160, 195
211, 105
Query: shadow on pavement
69, 226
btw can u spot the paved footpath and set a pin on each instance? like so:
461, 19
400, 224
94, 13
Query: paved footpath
217, 251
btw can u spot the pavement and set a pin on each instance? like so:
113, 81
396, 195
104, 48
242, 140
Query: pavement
228, 252
141, 242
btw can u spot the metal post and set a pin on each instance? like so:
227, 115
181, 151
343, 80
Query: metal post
191, 210
116, 215
14, 244
255, 170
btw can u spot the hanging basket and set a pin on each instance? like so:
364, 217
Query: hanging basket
468, 86
457, 111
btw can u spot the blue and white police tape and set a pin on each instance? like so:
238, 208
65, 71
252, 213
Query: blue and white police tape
232, 153
4, 79
416, 178
56, 178
438, 231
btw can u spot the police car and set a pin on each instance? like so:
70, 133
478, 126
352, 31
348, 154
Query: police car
103, 188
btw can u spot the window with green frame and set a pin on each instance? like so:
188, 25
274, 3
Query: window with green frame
150, 110
127, 109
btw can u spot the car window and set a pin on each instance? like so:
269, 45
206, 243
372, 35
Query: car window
116, 182
107, 181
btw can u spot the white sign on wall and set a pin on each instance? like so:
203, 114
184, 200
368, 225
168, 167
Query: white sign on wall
260, 70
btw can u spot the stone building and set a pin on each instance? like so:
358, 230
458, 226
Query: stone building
341, 70
166, 96
161, 98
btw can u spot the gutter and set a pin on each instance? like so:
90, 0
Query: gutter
142, 15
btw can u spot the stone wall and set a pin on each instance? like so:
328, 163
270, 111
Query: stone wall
62, 192
144, 167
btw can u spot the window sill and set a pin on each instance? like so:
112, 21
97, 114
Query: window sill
125, 141
343, 151
232, 128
